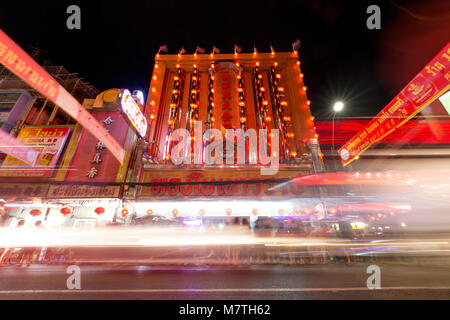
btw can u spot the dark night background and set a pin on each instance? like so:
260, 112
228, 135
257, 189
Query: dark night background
341, 58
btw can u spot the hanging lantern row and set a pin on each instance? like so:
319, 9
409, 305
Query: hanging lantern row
193, 105
261, 102
282, 120
241, 97
228, 211
210, 107
300, 78
175, 109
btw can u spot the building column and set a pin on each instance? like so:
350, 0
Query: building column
313, 145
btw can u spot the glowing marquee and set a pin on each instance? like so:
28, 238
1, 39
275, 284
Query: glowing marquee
133, 112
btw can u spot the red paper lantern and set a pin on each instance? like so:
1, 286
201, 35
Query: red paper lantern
35, 212
228, 211
65, 211
124, 212
99, 210
149, 212
174, 212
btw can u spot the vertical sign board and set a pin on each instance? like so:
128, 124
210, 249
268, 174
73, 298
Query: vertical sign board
92, 162
47, 141
22, 65
133, 113
226, 97
428, 85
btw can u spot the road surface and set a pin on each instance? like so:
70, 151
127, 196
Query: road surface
332, 281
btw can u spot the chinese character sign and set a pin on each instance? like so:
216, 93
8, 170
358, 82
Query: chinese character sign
226, 98
92, 160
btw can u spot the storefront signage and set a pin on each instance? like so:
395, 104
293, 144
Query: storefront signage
17, 190
133, 113
83, 191
246, 187
428, 85
47, 141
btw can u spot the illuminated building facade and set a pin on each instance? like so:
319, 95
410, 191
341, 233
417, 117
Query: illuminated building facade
226, 92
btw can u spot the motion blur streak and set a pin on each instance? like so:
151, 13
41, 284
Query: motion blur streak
180, 237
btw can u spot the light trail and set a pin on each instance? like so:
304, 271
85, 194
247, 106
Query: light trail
197, 238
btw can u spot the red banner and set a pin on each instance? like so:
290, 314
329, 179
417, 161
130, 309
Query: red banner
428, 85
22, 65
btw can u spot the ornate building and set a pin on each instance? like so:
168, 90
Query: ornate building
226, 92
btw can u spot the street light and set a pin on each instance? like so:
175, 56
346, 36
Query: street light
337, 107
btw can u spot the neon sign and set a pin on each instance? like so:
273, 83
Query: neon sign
133, 112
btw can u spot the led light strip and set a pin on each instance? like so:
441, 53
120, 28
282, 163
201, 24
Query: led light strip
193, 106
241, 97
261, 102
175, 109
281, 121
210, 108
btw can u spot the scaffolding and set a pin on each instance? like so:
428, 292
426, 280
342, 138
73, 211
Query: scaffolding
70, 81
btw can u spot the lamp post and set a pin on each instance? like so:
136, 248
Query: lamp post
337, 107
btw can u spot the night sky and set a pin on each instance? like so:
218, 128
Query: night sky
341, 58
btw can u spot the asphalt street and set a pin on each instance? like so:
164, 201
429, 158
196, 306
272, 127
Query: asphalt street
333, 281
